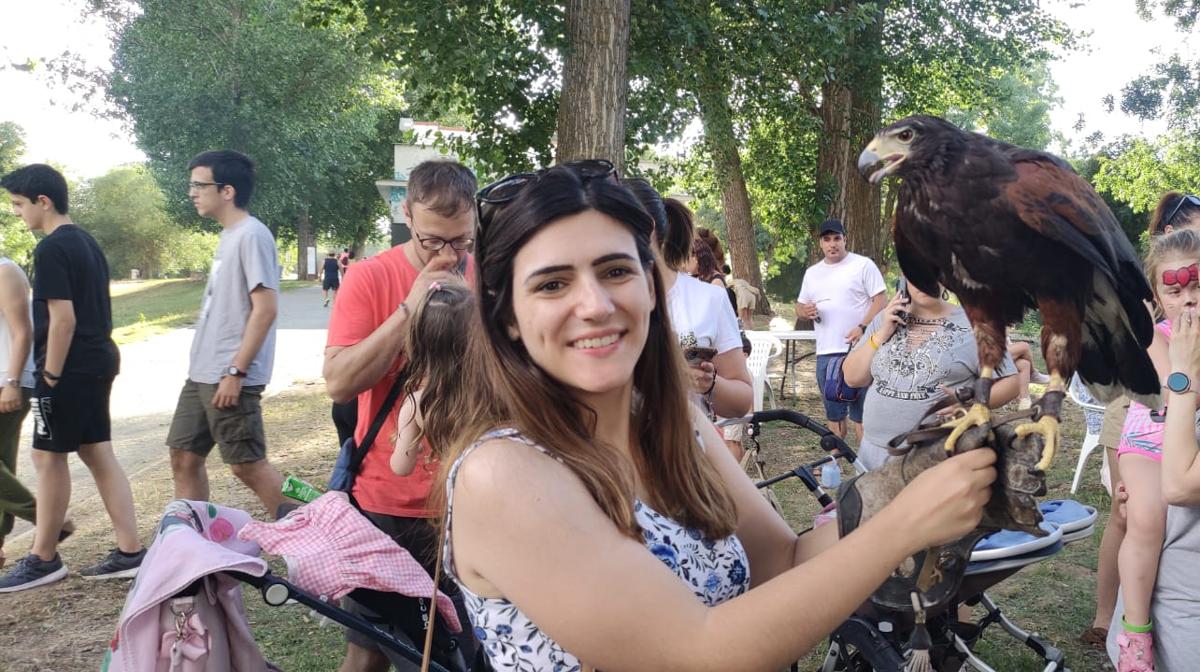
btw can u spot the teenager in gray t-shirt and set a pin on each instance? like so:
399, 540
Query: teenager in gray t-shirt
233, 350
933, 349
246, 259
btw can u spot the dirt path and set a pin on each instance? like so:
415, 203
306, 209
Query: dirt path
152, 371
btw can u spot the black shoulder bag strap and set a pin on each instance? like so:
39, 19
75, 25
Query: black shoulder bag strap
360, 451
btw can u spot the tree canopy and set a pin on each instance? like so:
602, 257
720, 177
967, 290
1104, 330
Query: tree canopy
16, 242
125, 210
309, 106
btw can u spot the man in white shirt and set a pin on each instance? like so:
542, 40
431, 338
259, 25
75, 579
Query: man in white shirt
841, 294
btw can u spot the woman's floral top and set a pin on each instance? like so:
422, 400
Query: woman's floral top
714, 570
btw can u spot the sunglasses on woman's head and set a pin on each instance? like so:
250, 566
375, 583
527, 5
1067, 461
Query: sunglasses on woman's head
1193, 200
508, 189
1181, 276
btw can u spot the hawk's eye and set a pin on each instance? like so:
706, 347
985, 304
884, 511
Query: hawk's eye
905, 136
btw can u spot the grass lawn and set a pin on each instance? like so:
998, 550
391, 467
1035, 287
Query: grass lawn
146, 308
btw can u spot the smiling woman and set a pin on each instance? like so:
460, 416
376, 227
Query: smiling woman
591, 513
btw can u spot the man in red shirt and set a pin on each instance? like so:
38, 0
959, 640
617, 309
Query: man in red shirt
365, 351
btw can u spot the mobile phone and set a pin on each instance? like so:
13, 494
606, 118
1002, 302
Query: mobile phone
696, 354
902, 289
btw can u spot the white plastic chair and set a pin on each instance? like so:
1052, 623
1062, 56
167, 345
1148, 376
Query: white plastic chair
1078, 394
763, 348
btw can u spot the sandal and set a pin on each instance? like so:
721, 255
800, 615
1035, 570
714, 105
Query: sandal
1136, 652
1095, 637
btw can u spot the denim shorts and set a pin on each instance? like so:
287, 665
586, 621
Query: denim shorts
836, 411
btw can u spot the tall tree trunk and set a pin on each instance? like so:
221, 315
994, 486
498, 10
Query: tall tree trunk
591, 108
305, 238
850, 115
717, 117
831, 156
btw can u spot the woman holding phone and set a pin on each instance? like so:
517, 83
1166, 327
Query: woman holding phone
915, 352
700, 312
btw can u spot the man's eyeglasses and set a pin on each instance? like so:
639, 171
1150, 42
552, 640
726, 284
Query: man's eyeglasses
200, 185
507, 189
1194, 200
1181, 276
434, 244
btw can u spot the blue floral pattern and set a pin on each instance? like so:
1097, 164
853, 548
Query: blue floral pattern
715, 570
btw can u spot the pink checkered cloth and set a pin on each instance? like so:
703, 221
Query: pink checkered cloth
332, 549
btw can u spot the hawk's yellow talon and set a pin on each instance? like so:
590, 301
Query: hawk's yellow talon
1047, 427
978, 416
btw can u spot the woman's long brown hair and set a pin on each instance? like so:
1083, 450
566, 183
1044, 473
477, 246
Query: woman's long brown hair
515, 392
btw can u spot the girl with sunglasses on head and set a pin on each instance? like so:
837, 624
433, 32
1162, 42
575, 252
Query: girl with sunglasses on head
591, 514
1171, 267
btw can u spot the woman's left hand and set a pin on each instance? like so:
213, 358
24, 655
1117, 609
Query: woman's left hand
1184, 348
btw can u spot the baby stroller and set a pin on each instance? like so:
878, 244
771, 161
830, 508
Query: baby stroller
184, 613
877, 639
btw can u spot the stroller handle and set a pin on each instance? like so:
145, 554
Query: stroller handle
830, 442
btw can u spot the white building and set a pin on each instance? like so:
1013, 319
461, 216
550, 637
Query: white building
405, 157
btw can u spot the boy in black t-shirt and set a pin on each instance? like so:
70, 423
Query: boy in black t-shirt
76, 361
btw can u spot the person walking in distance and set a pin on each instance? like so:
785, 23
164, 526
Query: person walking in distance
233, 351
331, 277
76, 361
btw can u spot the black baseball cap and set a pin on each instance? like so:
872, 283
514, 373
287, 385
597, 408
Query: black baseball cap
831, 226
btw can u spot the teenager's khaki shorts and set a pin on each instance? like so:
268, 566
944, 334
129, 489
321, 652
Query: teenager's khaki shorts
238, 431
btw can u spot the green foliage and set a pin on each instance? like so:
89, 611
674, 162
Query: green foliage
126, 212
311, 108
1139, 171
498, 65
1019, 111
16, 242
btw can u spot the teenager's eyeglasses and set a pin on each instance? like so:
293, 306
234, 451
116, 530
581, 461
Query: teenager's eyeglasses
197, 186
434, 244
1194, 200
506, 190
1181, 276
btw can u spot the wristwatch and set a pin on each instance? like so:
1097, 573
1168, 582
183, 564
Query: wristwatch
863, 327
1179, 382
235, 372
12, 382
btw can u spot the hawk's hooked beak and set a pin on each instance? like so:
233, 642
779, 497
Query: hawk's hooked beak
892, 152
